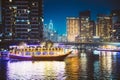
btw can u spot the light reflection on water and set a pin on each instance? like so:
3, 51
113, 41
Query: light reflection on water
43, 70
106, 67
72, 68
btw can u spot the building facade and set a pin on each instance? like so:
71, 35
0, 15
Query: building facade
62, 38
50, 33
104, 25
115, 36
22, 19
72, 29
86, 26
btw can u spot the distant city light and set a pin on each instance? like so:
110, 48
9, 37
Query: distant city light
28, 11
51, 34
42, 20
10, 34
28, 30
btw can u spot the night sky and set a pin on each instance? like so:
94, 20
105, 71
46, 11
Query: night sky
58, 10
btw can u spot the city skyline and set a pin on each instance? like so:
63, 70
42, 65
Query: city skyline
59, 39
60, 20
58, 10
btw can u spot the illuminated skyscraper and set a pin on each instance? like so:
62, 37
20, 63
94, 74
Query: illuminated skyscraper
104, 24
86, 28
51, 25
22, 19
50, 33
72, 28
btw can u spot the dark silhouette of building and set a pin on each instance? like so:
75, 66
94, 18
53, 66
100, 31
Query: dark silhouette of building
1, 27
22, 20
86, 13
93, 27
115, 14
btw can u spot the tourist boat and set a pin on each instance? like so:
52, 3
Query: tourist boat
36, 52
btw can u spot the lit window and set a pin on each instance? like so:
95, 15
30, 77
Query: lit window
17, 20
14, 22
10, 7
28, 30
114, 14
14, 7
28, 11
25, 10
10, 0
87, 19
28, 22
10, 34
22, 20
33, 4
42, 20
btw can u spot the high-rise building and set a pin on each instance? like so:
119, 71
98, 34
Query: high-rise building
62, 38
51, 25
104, 24
72, 28
115, 35
86, 28
50, 33
46, 34
22, 19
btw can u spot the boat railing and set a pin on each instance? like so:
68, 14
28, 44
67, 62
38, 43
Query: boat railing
38, 51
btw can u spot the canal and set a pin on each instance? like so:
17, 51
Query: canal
106, 66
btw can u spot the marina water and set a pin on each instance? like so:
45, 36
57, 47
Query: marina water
104, 67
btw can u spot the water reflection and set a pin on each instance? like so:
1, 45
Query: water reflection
3, 70
82, 67
72, 68
107, 66
43, 70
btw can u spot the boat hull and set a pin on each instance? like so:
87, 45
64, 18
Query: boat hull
41, 58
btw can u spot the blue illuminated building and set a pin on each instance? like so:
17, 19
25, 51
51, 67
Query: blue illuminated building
50, 33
